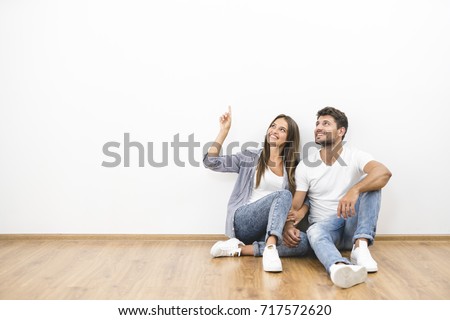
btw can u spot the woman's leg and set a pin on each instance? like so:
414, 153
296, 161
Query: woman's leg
303, 247
263, 219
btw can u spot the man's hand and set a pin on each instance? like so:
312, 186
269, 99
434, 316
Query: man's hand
346, 207
377, 177
291, 235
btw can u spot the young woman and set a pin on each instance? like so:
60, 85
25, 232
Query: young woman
262, 195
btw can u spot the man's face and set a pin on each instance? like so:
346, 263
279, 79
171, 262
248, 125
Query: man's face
326, 132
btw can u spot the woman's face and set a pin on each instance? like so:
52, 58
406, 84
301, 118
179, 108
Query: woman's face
277, 132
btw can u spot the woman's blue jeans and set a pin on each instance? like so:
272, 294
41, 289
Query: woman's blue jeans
255, 222
328, 237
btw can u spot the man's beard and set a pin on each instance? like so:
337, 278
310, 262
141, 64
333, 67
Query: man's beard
326, 143
329, 141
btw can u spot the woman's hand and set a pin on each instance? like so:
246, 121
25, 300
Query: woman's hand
225, 125
225, 120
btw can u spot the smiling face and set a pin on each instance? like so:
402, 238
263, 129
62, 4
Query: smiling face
277, 132
326, 132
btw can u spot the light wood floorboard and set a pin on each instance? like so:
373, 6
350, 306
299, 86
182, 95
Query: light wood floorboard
172, 269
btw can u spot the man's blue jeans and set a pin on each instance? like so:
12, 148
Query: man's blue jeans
255, 222
329, 236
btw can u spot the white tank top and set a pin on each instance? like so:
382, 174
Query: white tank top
269, 183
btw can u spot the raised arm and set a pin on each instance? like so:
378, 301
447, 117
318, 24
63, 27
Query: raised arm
377, 177
225, 125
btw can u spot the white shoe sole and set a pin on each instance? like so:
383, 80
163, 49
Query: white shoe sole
273, 269
214, 249
369, 269
271, 261
347, 277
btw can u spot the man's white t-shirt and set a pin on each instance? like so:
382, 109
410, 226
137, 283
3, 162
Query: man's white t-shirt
326, 185
269, 183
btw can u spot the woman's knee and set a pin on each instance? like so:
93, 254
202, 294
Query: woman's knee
285, 195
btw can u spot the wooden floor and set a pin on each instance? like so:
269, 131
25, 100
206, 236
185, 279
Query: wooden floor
141, 269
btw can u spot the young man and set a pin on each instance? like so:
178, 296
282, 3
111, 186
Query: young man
343, 186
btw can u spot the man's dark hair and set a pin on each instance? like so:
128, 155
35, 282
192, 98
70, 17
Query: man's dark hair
339, 117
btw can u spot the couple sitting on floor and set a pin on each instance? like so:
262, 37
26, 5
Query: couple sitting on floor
339, 185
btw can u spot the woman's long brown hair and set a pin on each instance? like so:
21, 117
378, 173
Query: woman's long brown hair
290, 153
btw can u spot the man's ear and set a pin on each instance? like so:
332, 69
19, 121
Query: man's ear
341, 131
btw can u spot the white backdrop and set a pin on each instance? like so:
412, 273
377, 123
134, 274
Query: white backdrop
75, 75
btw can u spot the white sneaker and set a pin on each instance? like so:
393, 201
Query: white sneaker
346, 276
361, 257
271, 260
229, 248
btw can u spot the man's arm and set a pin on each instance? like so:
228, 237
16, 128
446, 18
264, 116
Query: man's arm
298, 209
377, 177
291, 235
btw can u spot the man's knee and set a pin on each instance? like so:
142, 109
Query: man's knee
314, 233
368, 200
371, 195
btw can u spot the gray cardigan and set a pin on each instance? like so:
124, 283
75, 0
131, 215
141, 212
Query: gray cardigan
244, 164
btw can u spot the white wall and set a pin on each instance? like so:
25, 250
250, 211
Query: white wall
77, 74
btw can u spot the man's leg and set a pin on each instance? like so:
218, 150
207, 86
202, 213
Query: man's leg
360, 230
367, 208
323, 237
